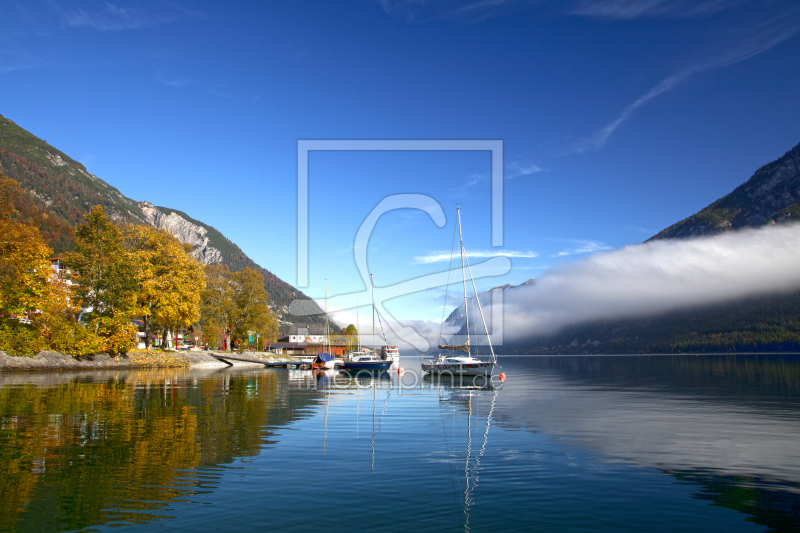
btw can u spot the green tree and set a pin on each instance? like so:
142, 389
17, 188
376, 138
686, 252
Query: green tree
350, 333
105, 275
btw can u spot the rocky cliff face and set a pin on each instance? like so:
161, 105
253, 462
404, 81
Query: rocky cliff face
771, 196
64, 190
184, 231
456, 320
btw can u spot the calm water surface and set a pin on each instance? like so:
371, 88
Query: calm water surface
638, 443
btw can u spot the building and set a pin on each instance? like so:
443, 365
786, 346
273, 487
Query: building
337, 349
57, 264
307, 339
307, 333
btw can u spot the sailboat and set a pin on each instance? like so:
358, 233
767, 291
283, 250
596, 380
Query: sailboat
364, 359
324, 360
463, 365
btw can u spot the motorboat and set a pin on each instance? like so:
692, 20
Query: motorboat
367, 361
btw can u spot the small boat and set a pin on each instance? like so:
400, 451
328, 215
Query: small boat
367, 361
390, 353
323, 361
387, 352
462, 365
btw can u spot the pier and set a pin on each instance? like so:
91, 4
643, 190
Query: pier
243, 358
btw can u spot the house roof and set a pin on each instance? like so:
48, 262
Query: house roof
307, 329
293, 345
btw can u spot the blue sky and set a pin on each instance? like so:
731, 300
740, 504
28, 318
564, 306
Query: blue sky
618, 117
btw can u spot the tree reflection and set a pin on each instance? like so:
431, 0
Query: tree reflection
84, 451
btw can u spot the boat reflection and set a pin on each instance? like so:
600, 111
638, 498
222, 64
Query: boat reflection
461, 382
460, 396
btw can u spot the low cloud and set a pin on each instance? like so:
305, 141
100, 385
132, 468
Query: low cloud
655, 278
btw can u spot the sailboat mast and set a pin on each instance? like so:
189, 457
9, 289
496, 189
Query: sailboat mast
480, 308
358, 327
463, 276
372, 284
326, 315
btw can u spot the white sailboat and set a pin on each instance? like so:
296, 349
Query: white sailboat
463, 365
324, 360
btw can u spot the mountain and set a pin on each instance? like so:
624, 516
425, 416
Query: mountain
761, 324
456, 320
63, 190
770, 196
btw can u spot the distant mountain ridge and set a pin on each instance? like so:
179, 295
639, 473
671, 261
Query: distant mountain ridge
770, 196
456, 320
64, 190
760, 324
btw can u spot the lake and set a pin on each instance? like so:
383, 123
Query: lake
594, 443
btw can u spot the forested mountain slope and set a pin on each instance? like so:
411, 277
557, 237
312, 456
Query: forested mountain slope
63, 190
762, 324
771, 195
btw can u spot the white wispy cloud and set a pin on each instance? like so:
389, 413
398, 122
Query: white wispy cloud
512, 170
439, 257
756, 39
173, 81
114, 18
13, 60
516, 170
631, 9
462, 189
583, 247
469, 11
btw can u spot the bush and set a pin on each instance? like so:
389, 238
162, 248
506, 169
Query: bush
17, 338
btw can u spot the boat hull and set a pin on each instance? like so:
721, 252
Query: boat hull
368, 365
454, 369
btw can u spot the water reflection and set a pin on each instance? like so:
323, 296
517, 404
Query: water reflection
727, 423
478, 421
109, 447
636, 443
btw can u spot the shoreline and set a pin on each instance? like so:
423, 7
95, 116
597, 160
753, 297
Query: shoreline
49, 361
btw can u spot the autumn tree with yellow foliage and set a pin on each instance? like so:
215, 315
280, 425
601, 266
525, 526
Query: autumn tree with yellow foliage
236, 303
35, 303
168, 279
119, 273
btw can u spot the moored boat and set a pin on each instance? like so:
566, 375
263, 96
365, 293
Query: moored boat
460, 365
390, 353
323, 360
367, 361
